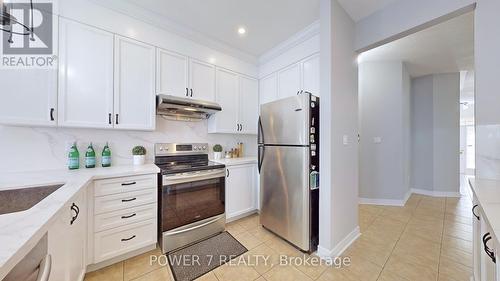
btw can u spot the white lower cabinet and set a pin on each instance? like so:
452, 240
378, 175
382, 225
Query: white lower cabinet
67, 240
123, 216
485, 244
241, 190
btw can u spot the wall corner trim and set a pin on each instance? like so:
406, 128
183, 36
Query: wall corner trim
326, 254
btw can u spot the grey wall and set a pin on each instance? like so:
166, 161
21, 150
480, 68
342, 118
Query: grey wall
339, 112
384, 112
435, 133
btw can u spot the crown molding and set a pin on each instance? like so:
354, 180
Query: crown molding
296, 39
155, 19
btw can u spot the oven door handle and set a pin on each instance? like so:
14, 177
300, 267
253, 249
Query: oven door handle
194, 227
191, 177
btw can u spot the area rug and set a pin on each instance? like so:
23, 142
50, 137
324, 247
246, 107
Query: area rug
198, 259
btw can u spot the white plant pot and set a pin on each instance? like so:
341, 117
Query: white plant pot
217, 155
139, 159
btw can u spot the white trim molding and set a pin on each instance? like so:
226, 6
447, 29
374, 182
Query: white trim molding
340, 247
294, 40
435, 193
385, 202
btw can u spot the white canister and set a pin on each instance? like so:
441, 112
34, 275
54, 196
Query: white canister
139, 159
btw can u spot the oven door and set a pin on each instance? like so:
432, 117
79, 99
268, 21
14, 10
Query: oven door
191, 197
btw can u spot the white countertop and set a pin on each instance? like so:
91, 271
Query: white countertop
20, 231
487, 193
236, 161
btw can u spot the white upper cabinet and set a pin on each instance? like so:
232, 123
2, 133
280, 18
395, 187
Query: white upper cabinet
172, 76
249, 103
289, 81
227, 86
303, 76
310, 74
29, 96
238, 97
85, 76
268, 88
202, 80
134, 98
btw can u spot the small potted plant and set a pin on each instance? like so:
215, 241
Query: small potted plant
139, 153
217, 151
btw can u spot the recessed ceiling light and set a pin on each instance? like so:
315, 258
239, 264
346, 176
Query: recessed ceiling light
242, 31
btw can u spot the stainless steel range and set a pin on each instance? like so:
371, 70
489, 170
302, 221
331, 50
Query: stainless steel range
191, 194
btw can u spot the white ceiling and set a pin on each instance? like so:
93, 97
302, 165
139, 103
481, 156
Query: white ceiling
359, 9
446, 47
268, 23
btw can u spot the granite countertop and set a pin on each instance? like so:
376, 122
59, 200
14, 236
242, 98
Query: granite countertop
20, 231
236, 161
487, 193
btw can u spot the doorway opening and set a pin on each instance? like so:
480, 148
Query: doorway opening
416, 114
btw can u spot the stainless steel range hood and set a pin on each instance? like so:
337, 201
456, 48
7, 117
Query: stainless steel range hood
185, 109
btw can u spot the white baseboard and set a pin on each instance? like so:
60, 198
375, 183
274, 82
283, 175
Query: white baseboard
386, 202
340, 247
435, 193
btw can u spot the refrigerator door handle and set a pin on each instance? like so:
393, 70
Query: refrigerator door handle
260, 156
260, 132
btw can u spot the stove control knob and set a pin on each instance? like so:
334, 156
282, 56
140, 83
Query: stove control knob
161, 148
204, 147
195, 148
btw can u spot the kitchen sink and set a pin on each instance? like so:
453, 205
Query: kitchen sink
16, 200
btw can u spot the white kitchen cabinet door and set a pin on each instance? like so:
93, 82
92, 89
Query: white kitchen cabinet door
172, 74
76, 249
289, 81
240, 190
249, 104
85, 76
268, 88
29, 96
134, 94
226, 121
202, 80
67, 241
310, 74
488, 268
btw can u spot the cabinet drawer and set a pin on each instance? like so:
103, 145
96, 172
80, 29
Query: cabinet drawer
125, 200
125, 184
121, 240
124, 217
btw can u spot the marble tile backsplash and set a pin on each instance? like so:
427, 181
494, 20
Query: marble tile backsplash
40, 148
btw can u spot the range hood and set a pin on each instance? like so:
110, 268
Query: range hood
184, 109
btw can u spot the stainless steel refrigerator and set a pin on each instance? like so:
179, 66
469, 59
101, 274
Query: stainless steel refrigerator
288, 154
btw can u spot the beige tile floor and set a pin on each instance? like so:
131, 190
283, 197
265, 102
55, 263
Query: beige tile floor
427, 239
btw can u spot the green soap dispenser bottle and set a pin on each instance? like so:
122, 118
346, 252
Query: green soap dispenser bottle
106, 156
73, 157
90, 157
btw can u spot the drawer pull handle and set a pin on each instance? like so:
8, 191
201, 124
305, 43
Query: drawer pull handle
128, 200
129, 216
128, 183
473, 208
128, 239
489, 252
